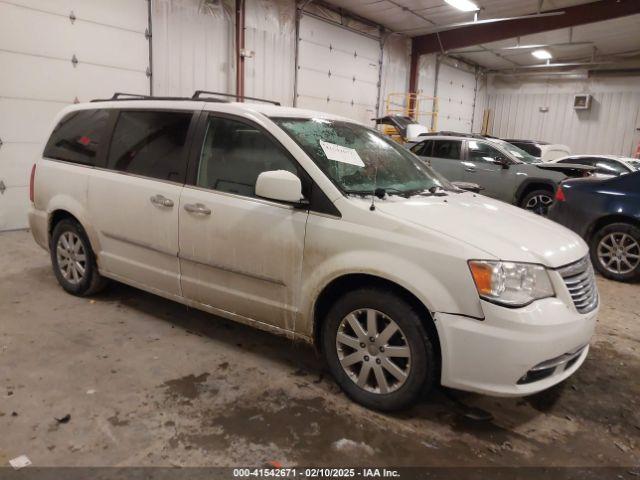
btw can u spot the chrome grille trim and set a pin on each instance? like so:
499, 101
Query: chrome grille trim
581, 284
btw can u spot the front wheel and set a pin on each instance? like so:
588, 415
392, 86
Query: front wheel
615, 252
378, 350
538, 201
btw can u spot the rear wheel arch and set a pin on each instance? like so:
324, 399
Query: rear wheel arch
348, 282
56, 217
59, 214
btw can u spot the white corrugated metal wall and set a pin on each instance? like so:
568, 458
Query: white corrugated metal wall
193, 47
396, 66
609, 127
270, 35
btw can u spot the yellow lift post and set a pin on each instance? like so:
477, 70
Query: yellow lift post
422, 109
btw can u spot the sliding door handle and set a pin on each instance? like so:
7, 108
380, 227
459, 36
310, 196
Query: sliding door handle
161, 201
197, 208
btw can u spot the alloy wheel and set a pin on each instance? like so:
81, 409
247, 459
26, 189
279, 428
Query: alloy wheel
619, 253
373, 351
539, 204
72, 257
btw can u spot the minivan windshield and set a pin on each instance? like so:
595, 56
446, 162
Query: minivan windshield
359, 160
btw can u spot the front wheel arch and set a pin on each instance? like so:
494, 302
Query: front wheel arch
338, 286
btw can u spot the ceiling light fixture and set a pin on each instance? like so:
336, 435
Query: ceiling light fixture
542, 54
464, 5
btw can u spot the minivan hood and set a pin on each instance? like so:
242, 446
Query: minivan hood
502, 230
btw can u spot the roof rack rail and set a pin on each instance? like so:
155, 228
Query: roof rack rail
122, 96
198, 93
447, 133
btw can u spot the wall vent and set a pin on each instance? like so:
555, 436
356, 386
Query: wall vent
582, 102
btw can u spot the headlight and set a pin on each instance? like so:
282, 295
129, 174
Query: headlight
510, 284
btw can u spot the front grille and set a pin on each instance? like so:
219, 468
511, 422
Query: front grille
581, 283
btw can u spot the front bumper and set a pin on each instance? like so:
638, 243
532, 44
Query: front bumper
494, 356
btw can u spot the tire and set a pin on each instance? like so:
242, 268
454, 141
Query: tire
420, 368
619, 244
70, 242
538, 202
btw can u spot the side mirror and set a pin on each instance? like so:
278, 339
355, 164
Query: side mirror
279, 185
503, 162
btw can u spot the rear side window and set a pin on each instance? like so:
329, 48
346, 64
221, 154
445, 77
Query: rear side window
447, 149
77, 137
151, 144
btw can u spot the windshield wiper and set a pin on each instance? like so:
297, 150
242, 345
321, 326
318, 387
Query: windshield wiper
382, 192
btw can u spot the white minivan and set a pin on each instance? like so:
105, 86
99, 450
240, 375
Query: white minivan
318, 228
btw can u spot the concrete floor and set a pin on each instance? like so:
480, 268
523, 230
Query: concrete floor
149, 382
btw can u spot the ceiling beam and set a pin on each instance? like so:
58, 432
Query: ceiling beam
596, 11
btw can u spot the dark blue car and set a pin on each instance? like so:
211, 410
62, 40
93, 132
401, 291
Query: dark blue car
606, 213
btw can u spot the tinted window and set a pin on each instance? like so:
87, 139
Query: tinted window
151, 144
578, 161
235, 153
423, 149
77, 137
610, 167
447, 149
482, 152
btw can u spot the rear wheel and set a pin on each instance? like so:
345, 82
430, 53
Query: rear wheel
538, 201
377, 349
615, 252
73, 260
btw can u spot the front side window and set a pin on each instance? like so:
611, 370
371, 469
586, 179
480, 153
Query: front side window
517, 152
530, 148
234, 154
360, 160
447, 149
150, 143
77, 137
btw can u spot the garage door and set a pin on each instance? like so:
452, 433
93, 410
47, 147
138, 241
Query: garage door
51, 54
337, 70
456, 98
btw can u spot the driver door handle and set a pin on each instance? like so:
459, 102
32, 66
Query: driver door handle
197, 208
161, 201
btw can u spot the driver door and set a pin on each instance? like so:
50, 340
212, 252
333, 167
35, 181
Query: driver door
239, 253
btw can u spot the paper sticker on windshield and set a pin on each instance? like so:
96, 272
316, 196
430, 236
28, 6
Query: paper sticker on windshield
338, 153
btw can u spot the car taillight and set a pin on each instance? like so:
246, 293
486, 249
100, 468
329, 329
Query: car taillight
560, 194
31, 180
